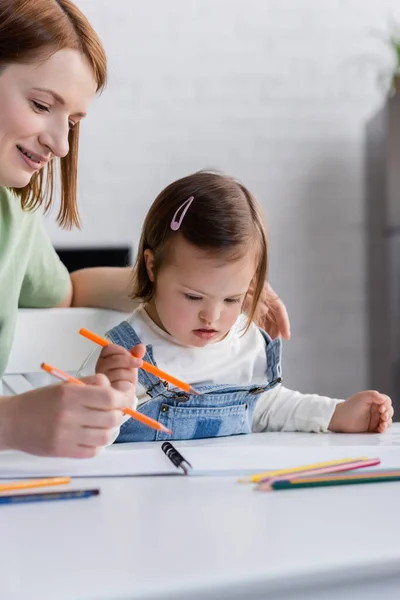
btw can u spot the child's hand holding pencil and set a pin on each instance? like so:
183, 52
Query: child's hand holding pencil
121, 368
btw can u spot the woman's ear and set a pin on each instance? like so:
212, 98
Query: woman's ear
149, 262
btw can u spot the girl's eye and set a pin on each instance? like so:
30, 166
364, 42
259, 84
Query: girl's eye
191, 297
40, 107
232, 300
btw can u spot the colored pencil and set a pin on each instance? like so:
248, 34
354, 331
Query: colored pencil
325, 481
146, 366
135, 414
258, 477
60, 374
47, 496
34, 483
266, 484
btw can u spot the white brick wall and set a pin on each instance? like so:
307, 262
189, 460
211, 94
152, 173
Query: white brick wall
274, 92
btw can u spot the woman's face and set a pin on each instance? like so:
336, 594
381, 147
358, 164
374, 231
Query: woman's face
39, 103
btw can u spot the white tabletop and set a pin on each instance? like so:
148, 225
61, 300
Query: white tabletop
195, 538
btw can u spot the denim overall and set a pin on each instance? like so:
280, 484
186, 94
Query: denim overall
220, 410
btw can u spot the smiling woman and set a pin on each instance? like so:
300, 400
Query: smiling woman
41, 121
52, 64
52, 81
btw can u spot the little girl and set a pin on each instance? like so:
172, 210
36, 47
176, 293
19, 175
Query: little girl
202, 247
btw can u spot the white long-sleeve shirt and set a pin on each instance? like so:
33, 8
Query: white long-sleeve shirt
238, 359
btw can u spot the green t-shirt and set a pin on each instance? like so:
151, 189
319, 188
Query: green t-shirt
31, 274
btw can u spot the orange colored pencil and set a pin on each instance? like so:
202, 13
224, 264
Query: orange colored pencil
60, 374
145, 365
135, 414
34, 483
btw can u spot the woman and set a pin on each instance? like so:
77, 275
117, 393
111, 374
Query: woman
52, 64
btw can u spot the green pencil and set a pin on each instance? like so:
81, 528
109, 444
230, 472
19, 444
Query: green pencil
296, 484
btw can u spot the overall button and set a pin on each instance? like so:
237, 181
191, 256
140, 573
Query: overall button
258, 390
181, 397
164, 408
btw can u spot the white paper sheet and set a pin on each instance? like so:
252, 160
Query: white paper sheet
148, 459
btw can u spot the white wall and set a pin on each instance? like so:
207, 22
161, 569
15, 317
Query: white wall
275, 92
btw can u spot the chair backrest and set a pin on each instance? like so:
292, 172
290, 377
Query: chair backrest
52, 336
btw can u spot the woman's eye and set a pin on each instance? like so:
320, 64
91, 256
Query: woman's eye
232, 300
40, 107
191, 297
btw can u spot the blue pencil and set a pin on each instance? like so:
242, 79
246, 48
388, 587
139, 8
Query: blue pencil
48, 496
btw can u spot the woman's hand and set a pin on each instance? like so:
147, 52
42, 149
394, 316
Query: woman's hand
67, 420
271, 313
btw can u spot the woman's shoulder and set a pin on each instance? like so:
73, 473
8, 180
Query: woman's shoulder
11, 211
5, 193
9, 199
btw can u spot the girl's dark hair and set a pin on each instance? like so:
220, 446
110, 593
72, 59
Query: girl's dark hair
224, 218
32, 30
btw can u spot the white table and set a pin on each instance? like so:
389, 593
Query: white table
192, 538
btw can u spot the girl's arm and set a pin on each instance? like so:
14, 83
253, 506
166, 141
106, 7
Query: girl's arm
281, 409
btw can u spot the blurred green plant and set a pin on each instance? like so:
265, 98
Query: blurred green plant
394, 45
389, 77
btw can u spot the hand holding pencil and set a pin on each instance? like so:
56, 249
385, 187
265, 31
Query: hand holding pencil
146, 366
64, 420
126, 411
121, 368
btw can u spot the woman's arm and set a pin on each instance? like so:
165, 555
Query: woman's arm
101, 287
271, 313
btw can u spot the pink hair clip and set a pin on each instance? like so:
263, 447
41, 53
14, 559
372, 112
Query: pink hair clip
175, 222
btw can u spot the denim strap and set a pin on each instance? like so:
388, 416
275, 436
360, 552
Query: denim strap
273, 349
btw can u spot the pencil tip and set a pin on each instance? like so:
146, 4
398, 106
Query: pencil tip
166, 430
195, 392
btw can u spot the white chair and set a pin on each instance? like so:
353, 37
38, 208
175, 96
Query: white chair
52, 336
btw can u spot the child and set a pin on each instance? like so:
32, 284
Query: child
202, 247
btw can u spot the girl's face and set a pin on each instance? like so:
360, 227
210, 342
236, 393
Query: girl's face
40, 102
198, 297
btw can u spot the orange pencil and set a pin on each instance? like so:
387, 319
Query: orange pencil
34, 483
127, 411
145, 365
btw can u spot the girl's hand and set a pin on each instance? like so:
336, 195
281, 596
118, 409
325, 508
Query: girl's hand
367, 411
121, 368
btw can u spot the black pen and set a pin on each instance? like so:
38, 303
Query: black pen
176, 457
